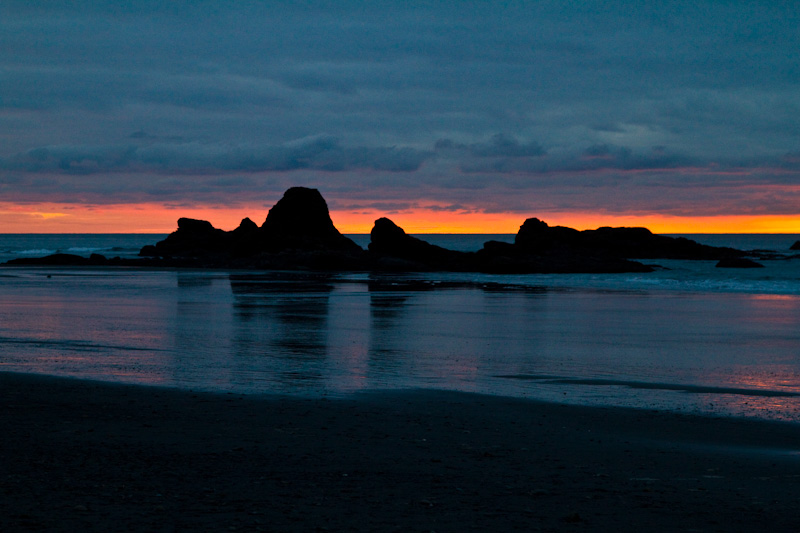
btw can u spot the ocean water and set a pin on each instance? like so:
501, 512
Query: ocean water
688, 337
127, 246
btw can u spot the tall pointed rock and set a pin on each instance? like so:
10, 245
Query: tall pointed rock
301, 221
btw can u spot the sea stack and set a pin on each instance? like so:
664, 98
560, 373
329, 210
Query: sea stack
388, 240
193, 238
537, 236
738, 262
301, 221
298, 233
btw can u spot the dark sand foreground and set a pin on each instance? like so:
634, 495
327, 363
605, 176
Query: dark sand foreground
83, 456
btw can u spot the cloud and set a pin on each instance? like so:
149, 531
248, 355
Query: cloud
540, 104
318, 153
501, 174
575, 159
603, 152
500, 145
792, 159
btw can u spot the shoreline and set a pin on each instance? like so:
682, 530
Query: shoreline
92, 456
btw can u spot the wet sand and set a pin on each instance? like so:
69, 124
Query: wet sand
86, 456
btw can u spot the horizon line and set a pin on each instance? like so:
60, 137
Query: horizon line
158, 219
410, 233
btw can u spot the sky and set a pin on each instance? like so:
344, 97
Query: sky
448, 116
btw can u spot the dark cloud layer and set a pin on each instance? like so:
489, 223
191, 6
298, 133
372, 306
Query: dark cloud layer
669, 107
317, 153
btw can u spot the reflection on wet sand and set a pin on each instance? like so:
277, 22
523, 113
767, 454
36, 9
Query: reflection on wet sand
444, 334
386, 302
298, 305
387, 307
83, 324
317, 334
283, 319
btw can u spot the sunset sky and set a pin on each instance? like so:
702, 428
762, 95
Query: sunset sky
121, 116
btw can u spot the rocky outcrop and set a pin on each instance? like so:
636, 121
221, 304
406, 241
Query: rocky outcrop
299, 224
61, 260
193, 238
298, 233
537, 237
300, 220
738, 262
392, 248
630, 243
540, 248
795, 246
503, 258
243, 239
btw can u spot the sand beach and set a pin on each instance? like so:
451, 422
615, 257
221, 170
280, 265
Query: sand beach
91, 456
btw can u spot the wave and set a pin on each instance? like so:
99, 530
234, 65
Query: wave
85, 250
76, 345
678, 387
35, 251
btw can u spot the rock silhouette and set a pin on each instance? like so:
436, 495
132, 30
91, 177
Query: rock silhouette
193, 238
631, 243
300, 220
61, 259
298, 233
738, 262
298, 225
540, 248
392, 248
795, 246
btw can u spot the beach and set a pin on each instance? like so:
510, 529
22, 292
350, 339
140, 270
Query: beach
399, 266
90, 456
613, 341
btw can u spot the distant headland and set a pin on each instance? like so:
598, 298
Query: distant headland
298, 233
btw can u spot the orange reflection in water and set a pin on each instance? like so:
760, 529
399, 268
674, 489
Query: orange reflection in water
57, 332
775, 395
768, 408
776, 297
775, 309
775, 386
777, 380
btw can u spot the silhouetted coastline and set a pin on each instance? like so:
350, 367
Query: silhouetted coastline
298, 233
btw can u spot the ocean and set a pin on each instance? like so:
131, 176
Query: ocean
687, 338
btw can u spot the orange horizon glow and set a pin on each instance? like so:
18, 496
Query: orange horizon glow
159, 219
